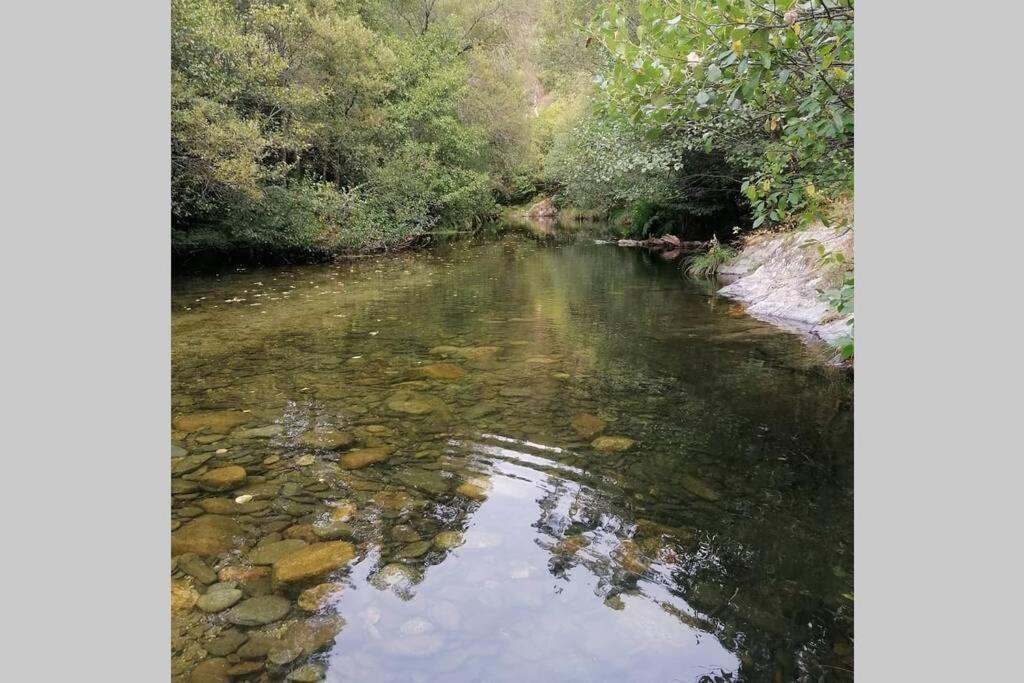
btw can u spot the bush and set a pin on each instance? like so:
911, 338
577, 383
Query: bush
706, 265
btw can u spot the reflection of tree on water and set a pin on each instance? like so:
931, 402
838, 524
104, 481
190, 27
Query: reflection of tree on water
740, 592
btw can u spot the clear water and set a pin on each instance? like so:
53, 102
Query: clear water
717, 547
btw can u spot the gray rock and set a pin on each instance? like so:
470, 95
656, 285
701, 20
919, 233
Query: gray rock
192, 565
332, 530
226, 643
780, 275
186, 464
260, 610
259, 432
218, 600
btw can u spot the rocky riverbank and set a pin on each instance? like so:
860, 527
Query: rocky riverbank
779, 275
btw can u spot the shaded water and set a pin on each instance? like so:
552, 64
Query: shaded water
444, 412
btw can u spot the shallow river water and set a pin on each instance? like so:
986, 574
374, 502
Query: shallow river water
512, 460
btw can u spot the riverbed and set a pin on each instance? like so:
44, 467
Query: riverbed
503, 460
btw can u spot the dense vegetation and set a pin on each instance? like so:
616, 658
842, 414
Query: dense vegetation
319, 126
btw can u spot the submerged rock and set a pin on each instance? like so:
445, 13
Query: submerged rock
413, 550
586, 425
252, 580
410, 403
333, 530
226, 643
259, 432
312, 561
448, 540
364, 457
183, 596
425, 480
191, 564
189, 463
207, 535
474, 488
699, 488
272, 552
217, 421
262, 609
315, 598
223, 478
211, 671
612, 443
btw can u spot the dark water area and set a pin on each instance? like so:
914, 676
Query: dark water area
513, 459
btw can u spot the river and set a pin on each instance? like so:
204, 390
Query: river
503, 460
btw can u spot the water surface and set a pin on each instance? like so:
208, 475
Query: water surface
495, 537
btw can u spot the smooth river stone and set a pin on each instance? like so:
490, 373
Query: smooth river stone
364, 457
587, 426
259, 432
226, 643
329, 440
211, 671
312, 561
410, 403
333, 530
612, 443
207, 535
218, 600
272, 552
223, 478
699, 488
191, 564
263, 609
448, 540
413, 550
314, 634
313, 599
189, 463
218, 421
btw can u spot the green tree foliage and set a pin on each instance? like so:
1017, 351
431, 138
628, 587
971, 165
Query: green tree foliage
768, 84
322, 125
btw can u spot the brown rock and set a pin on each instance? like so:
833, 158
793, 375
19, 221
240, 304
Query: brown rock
313, 634
252, 580
587, 426
206, 535
313, 599
312, 561
302, 532
223, 478
612, 443
363, 457
211, 671
183, 596
243, 669
216, 421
